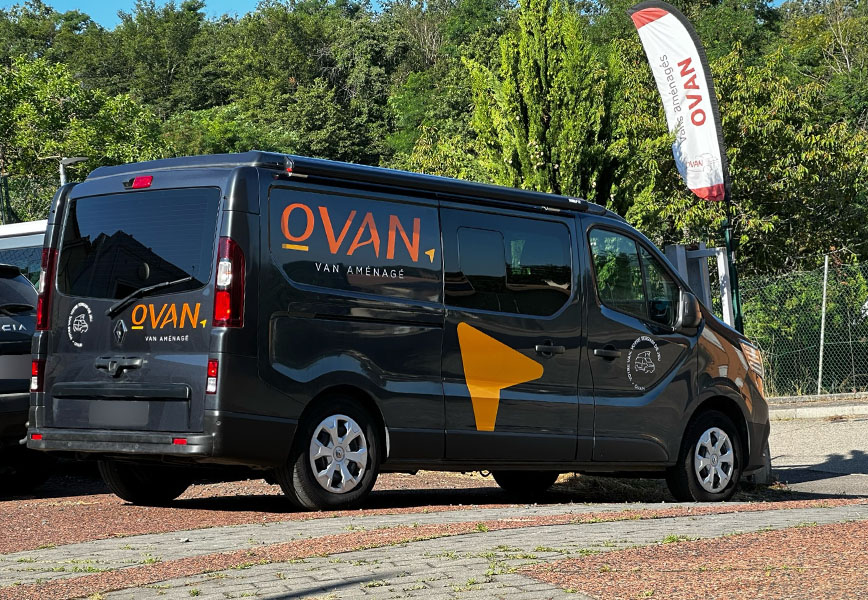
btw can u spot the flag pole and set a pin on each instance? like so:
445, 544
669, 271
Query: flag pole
730, 259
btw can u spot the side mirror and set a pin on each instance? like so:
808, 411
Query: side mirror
690, 312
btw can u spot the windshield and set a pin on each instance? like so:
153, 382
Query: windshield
113, 245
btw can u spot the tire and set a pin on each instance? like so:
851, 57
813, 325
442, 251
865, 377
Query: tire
147, 485
335, 458
525, 484
709, 463
23, 470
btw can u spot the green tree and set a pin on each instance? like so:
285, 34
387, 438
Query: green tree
798, 185
827, 41
35, 30
542, 122
155, 46
48, 115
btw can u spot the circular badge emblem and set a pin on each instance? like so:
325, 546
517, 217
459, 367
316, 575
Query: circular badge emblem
79, 322
643, 360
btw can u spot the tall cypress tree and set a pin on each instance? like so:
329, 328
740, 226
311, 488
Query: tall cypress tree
542, 121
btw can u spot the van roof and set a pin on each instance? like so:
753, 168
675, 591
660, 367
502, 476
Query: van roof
334, 170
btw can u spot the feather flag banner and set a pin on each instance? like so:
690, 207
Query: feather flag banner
683, 79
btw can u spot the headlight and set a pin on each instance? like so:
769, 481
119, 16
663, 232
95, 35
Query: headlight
754, 359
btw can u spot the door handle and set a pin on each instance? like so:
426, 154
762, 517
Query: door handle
115, 365
608, 352
548, 349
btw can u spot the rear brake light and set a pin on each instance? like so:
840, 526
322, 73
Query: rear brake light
211, 383
37, 375
229, 285
46, 284
36, 436
179, 441
143, 181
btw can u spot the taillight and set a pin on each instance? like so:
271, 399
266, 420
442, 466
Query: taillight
211, 383
229, 287
46, 284
37, 375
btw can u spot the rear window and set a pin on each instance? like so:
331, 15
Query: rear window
115, 244
16, 292
28, 259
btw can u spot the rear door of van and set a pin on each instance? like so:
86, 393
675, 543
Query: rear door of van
131, 310
350, 295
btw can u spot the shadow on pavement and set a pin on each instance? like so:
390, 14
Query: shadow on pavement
577, 490
838, 475
74, 478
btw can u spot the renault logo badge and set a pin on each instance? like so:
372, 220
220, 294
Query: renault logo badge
120, 331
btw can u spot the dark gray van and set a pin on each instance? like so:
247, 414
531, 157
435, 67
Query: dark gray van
323, 322
20, 469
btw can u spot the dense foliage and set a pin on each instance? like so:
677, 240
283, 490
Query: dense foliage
553, 95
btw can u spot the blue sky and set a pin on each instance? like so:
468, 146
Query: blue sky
106, 12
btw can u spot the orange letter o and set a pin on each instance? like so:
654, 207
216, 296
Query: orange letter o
139, 321
284, 222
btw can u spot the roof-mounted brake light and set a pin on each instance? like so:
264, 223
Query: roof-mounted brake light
139, 183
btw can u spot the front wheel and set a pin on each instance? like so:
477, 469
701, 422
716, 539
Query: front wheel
335, 460
148, 485
709, 464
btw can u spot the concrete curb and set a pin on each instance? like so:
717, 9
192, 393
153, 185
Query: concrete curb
808, 411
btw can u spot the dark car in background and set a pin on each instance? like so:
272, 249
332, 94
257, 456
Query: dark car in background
20, 469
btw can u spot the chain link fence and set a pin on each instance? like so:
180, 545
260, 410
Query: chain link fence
809, 350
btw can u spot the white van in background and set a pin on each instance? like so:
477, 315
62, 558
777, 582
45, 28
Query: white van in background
21, 245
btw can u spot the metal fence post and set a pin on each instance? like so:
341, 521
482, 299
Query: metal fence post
823, 325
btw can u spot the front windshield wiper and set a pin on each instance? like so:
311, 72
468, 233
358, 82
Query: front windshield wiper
123, 302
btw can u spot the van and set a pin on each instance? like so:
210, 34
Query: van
322, 322
20, 469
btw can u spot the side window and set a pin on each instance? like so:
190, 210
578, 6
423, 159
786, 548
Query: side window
663, 292
351, 243
619, 272
484, 270
507, 264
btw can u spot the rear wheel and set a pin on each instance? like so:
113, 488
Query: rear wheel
149, 485
335, 460
525, 484
709, 464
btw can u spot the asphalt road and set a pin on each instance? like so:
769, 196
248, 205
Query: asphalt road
821, 456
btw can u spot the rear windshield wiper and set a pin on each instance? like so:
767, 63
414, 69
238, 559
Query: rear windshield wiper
123, 302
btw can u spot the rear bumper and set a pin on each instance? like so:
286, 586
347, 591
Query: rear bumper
103, 441
13, 416
229, 438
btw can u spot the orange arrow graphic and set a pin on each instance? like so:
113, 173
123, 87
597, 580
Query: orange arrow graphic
490, 366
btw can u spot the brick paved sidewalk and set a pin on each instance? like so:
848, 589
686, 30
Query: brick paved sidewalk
475, 561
